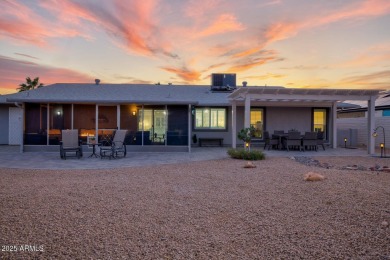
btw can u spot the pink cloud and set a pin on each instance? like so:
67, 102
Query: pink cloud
21, 23
283, 30
13, 72
365, 9
198, 9
222, 24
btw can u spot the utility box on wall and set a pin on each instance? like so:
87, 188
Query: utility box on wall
350, 134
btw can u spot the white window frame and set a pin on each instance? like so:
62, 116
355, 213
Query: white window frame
209, 120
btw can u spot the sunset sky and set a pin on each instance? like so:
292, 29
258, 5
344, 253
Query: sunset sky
291, 43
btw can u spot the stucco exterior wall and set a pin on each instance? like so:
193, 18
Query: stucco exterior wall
276, 118
286, 118
225, 134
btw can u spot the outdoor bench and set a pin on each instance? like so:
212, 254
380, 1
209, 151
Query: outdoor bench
210, 141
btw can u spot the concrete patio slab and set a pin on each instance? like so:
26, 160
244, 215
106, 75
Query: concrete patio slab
10, 157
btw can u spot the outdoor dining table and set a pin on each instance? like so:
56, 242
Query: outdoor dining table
280, 136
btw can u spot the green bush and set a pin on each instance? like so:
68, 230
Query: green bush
253, 155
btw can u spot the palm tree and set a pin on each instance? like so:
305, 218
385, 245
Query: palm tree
30, 84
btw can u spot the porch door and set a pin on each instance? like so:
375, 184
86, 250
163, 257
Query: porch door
154, 125
257, 121
159, 125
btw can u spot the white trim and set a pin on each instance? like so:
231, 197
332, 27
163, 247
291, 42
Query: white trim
247, 111
189, 128
234, 124
97, 122
371, 125
47, 123
334, 125
72, 117
118, 117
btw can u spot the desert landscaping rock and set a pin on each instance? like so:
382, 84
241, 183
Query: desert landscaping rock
198, 210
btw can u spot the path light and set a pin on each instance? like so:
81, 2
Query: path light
345, 142
382, 145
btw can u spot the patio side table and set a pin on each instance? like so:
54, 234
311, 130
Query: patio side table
93, 150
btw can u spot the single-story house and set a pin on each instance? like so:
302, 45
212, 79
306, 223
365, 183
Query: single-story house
174, 117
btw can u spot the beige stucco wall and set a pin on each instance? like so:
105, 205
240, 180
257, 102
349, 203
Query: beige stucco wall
286, 118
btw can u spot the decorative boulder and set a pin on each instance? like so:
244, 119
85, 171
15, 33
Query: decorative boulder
249, 165
312, 176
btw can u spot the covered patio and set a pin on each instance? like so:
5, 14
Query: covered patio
292, 98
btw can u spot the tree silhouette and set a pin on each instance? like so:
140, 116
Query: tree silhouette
30, 84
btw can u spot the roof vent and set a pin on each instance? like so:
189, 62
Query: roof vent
244, 83
97, 81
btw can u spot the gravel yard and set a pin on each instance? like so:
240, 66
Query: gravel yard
201, 210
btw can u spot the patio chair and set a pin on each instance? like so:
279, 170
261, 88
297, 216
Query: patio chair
116, 147
70, 144
320, 139
270, 142
278, 132
293, 140
310, 141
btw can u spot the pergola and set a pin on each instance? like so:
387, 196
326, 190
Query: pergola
302, 97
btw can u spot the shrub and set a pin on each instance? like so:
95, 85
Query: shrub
253, 155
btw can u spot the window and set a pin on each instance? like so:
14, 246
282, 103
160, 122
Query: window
257, 122
210, 118
319, 120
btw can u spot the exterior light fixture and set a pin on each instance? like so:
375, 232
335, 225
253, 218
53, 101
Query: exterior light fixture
382, 145
134, 113
345, 142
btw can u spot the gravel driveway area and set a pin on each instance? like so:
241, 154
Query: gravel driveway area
197, 210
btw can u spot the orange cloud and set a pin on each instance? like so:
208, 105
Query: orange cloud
222, 24
243, 66
267, 76
280, 31
13, 72
376, 78
184, 73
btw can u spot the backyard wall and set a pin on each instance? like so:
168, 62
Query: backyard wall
361, 125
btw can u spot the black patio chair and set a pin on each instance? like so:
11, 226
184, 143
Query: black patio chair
293, 140
309, 141
270, 141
